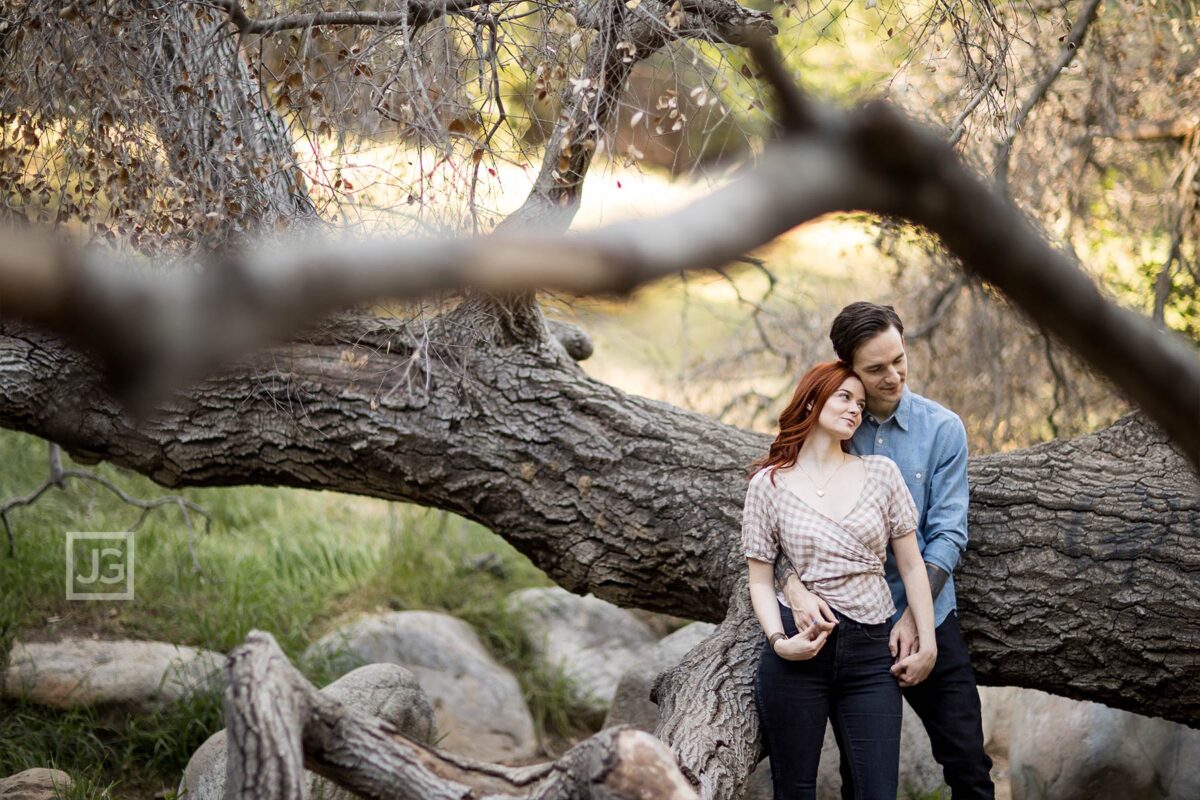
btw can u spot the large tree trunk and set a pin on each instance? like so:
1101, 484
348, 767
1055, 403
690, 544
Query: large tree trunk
218, 130
1080, 580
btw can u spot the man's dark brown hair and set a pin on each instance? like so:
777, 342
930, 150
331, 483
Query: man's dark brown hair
858, 322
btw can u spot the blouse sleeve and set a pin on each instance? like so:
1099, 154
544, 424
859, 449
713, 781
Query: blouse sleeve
760, 539
902, 511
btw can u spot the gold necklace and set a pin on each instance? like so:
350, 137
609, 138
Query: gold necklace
821, 489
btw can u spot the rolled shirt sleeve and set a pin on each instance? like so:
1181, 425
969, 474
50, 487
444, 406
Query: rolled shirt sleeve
760, 535
902, 510
946, 517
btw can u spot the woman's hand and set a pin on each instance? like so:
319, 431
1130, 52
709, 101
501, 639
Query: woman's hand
805, 644
806, 606
915, 667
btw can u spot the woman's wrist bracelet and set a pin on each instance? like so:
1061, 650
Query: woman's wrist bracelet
774, 637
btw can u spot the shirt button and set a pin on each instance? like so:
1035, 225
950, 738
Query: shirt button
879, 440
918, 476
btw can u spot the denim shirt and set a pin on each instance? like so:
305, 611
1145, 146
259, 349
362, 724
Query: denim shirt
929, 444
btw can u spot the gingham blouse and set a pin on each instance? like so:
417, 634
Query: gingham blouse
841, 561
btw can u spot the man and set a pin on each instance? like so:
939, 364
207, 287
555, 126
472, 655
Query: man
929, 444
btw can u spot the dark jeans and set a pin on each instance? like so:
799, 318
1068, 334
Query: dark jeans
948, 704
847, 683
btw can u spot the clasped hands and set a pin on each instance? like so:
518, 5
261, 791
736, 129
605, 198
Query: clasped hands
912, 665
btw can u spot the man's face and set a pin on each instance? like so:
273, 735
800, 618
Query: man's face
882, 365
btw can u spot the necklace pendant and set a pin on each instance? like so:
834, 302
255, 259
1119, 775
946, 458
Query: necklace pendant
820, 492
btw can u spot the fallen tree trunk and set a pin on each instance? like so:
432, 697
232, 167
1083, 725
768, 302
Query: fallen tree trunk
1081, 578
279, 724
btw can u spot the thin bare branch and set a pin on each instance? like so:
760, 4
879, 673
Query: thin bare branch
1074, 41
57, 478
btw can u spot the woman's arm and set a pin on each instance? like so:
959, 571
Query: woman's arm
915, 667
808, 642
762, 596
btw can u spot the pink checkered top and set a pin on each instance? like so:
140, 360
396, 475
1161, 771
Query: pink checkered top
841, 561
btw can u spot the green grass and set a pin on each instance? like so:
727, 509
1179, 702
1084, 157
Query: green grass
290, 562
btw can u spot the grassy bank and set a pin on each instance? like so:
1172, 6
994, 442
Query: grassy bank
290, 562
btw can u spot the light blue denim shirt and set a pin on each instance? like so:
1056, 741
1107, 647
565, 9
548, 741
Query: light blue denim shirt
929, 444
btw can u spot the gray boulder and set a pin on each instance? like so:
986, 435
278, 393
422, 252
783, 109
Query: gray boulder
479, 705
35, 784
1066, 749
387, 691
592, 642
133, 675
631, 703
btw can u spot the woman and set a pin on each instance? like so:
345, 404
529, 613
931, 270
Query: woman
833, 514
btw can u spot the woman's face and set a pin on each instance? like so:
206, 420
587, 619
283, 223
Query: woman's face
843, 410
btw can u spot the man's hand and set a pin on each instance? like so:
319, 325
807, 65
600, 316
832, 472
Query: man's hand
805, 644
806, 606
916, 667
903, 641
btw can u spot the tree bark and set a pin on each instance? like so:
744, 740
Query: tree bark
279, 724
639, 502
1084, 565
706, 704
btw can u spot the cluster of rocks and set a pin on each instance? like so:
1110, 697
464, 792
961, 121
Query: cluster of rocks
429, 675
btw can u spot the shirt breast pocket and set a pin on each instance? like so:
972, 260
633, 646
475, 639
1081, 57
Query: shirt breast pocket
916, 478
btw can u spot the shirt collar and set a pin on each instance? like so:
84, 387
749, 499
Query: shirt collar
902, 413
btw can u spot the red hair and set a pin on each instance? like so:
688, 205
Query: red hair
800, 417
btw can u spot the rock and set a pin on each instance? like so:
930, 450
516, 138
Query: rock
392, 693
387, 691
478, 703
631, 703
758, 786
996, 703
592, 641
134, 675
35, 784
1065, 749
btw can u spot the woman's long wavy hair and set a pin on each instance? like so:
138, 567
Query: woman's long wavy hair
800, 417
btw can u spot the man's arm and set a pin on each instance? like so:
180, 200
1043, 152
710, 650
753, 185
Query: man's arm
945, 523
783, 571
937, 579
946, 514
804, 604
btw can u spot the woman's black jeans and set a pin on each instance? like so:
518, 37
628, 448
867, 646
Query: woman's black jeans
848, 683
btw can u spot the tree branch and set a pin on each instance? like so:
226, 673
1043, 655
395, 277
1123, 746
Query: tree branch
416, 13
1179, 128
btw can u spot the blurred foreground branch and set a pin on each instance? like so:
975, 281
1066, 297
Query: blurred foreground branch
157, 332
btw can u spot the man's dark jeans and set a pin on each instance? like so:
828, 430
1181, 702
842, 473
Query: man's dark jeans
848, 683
948, 704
